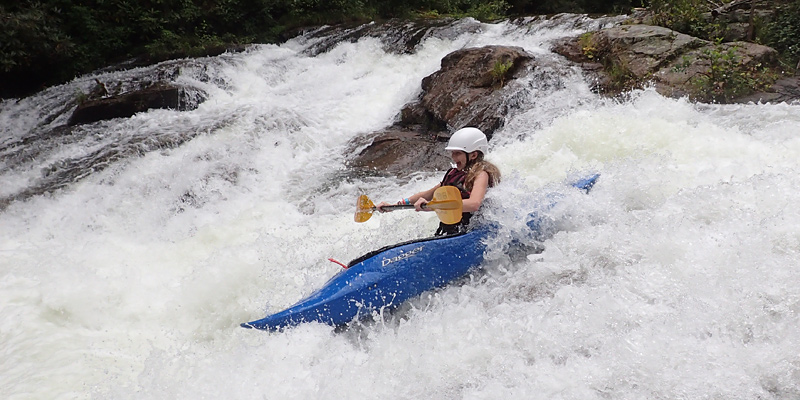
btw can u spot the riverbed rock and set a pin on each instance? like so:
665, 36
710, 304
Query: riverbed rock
397, 36
466, 90
471, 88
629, 56
398, 150
159, 95
784, 90
676, 79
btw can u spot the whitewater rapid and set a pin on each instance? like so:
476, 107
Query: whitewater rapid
677, 277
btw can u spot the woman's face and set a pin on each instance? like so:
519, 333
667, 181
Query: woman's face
459, 158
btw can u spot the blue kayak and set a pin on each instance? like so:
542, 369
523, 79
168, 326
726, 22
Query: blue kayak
385, 278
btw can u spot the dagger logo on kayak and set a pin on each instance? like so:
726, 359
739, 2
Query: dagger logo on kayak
408, 254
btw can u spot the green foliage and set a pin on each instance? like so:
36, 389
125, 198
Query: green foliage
430, 14
726, 78
572, 6
588, 46
683, 16
691, 17
80, 36
478, 9
31, 36
43, 42
316, 12
489, 11
620, 74
32, 41
783, 33
500, 72
81, 97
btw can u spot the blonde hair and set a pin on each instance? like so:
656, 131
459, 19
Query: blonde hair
475, 167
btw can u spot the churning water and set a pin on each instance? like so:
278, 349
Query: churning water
136, 247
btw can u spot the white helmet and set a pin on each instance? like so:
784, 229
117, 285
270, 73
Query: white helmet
468, 140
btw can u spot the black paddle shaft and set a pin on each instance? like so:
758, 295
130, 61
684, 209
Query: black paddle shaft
400, 207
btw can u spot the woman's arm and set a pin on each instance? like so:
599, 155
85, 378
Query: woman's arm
473, 203
417, 199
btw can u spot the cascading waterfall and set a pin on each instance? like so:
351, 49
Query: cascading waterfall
131, 249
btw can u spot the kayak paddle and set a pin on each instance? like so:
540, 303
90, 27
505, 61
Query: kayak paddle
446, 202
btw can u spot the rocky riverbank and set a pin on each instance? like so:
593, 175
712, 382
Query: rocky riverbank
480, 86
679, 65
616, 59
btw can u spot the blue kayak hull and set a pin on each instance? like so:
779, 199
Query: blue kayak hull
386, 278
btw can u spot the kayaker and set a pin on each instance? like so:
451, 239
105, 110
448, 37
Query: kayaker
472, 175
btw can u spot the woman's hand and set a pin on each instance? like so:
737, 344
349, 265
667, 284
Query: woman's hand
420, 202
379, 207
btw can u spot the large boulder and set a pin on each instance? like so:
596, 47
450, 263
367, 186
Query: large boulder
159, 95
627, 54
678, 77
398, 150
643, 49
784, 90
471, 89
465, 91
630, 56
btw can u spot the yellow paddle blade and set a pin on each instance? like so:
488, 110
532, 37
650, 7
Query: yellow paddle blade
447, 203
444, 205
364, 208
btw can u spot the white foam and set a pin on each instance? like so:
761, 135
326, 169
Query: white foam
675, 278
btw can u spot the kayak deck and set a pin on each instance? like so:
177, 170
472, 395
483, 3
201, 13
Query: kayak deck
387, 277
384, 278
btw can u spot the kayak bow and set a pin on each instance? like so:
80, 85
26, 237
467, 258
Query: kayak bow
387, 277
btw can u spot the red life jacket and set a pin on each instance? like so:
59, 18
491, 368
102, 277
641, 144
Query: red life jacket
455, 177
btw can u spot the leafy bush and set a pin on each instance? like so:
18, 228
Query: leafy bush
726, 78
30, 40
572, 6
489, 11
782, 33
588, 46
44, 42
684, 16
500, 71
80, 36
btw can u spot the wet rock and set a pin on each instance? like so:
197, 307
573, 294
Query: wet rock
629, 56
784, 90
676, 78
159, 95
402, 150
626, 53
472, 88
396, 35
466, 90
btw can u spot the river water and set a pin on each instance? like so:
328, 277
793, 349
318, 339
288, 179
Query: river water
676, 277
